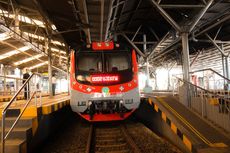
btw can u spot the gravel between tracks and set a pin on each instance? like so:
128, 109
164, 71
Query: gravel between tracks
147, 141
71, 138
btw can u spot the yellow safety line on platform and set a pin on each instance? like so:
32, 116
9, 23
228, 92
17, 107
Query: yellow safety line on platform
191, 127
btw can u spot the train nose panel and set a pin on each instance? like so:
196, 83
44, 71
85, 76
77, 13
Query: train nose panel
107, 106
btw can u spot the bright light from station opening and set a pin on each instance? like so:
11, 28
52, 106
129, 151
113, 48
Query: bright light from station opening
142, 80
38, 65
14, 52
28, 59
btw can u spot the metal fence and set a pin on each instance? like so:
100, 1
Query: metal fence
213, 105
9, 85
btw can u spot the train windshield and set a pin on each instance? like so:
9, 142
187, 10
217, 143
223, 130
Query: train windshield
109, 63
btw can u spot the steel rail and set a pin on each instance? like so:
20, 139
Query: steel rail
130, 140
89, 140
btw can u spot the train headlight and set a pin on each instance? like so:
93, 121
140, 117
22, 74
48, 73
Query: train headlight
90, 103
121, 101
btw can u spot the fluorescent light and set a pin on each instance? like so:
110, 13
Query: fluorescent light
43, 38
29, 20
28, 59
4, 36
60, 56
54, 27
57, 43
38, 65
57, 50
22, 18
14, 52
34, 36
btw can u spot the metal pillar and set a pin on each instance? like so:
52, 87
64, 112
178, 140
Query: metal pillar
186, 77
223, 66
148, 88
4, 84
147, 64
227, 68
16, 22
185, 50
50, 70
169, 79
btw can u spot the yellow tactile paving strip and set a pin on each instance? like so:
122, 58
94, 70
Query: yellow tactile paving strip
48, 106
7, 98
20, 97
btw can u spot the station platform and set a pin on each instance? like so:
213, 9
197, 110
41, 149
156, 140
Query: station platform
36, 122
47, 105
197, 134
20, 97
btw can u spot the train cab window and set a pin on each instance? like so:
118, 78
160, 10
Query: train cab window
117, 62
89, 62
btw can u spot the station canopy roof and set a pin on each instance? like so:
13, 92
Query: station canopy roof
28, 27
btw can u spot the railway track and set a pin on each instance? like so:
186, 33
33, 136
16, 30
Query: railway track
122, 137
110, 139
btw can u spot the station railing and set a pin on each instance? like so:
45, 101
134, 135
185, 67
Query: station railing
210, 79
211, 105
7, 87
35, 92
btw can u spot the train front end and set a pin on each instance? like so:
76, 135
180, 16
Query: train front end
104, 82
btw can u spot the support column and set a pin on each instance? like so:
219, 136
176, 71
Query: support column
223, 66
169, 79
227, 72
185, 50
147, 88
4, 81
186, 77
147, 64
50, 69
16, 22
227, 68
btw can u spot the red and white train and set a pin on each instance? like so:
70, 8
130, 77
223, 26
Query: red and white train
104, 82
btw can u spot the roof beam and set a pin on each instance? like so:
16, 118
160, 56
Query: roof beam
87, 21
134, 46
174, 6
108, 20
167, 16
159, 42
200, 15
102, 19
214, 43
